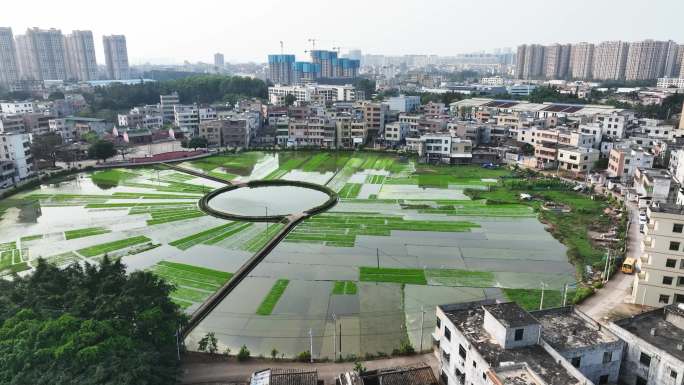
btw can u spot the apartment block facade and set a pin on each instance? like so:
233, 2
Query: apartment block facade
116, 57
660, 280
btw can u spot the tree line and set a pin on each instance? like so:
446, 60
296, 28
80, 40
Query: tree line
88, 325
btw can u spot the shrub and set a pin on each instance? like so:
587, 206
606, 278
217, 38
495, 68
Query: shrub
208, 343
582, 293
405, 348
304, 356
359, 368
243, 354
274, 353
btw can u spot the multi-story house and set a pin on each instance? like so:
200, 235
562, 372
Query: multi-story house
577, 160
623, 162
654, 352
660, 280
16, 147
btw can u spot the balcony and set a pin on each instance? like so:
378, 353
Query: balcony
647, 243
645, 258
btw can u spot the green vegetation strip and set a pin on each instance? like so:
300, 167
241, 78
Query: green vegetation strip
529, 299
375, 179
408, 276
172, 215
455, 277
112, 246
210, 236
87, 232
271, 299
258, 241
192, 283
350, 190
341, 230
30, 238
344, 288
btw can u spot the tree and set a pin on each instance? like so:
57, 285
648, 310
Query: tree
274, 353
600, 164
123, 148
88, 324
57, 95
243, 354
102, 150
208, 343
195, 142
47, 147
290, 99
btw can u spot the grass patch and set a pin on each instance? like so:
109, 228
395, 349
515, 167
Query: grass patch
269, 302
529, 299
350, 190
111, 177
405, 276
112, 246
30, 238
87, 232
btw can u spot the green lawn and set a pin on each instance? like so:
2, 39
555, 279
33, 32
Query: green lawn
112, 246
269, 302
210, 236
409, 276
112, 176
87, 232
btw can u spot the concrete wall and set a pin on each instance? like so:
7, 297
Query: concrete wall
506, 336
662, 363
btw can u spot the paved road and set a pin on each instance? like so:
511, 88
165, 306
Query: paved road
614, 299
232, 371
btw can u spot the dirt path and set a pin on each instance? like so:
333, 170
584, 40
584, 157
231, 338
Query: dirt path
209, 372
614, 299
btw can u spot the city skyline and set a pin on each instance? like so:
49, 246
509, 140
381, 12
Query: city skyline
207, 32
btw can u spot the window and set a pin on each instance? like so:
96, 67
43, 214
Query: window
576, 361
439, 323
667, 280
607, 357
680, 281
674, 246
671, 263
641, 381
677, 227
681, 263
447, 334
645, 359
673, 374
664, 299
519, 334
603, 379
474, 364
679, 298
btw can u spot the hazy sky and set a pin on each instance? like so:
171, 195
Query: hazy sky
170, 31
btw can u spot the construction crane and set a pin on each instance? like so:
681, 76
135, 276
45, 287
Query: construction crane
313, 44
281, 48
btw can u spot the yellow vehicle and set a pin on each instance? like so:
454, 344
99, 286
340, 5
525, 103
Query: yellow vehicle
628, 265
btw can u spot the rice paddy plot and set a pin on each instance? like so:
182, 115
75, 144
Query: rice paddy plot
193, 284
342, 230
477, 208
375, 179
210, 236
139, 207
257, 242
12, 259
344, 288
173, 215
269, 302
30, 238
456, 277
405, 276
108, 247
87, 232
350, 190
63, 259
112, 177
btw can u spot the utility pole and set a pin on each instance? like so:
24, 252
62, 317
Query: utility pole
565, 294
177, 345
377, 256
541, 301
422, 321
340, 337
334, 337
605, 270
311, 345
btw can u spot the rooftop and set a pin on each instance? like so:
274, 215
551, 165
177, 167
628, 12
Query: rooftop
419, 375
469, 317
284, 377
653, 328
510, 314
667, 208
564, 328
